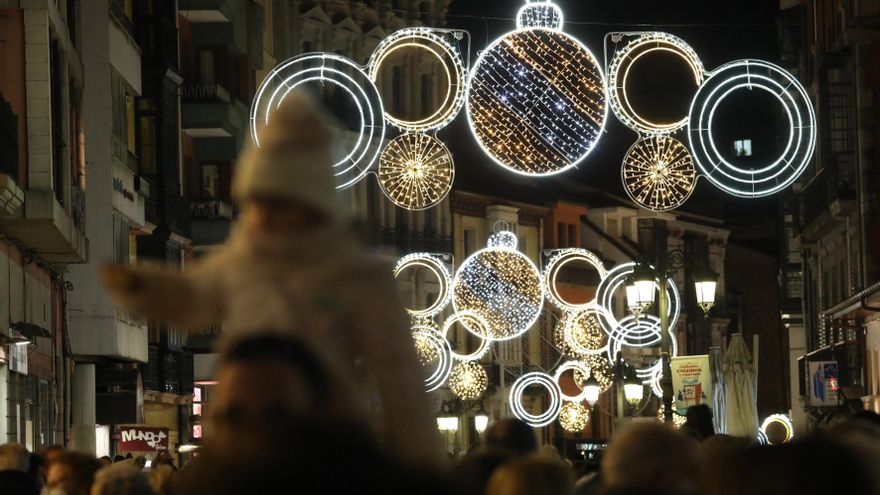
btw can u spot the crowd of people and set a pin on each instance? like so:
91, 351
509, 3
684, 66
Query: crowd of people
320, 389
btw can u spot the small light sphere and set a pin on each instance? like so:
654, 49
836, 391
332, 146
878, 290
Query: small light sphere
416, 171
468, 380
573, 417
658, 173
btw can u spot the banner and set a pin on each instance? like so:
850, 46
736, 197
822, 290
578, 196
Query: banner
691, 382
142, 439
822, 381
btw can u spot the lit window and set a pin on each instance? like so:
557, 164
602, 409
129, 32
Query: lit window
742, 147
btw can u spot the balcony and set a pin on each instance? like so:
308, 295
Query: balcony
165, 207
829, 196
862, 12
411, 242
105, 329
168, 371
47, 228
217, 121
211, 222
208, 11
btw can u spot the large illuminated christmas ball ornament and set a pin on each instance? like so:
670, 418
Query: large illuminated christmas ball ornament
500, 285
468, 380
573, 417
536, 98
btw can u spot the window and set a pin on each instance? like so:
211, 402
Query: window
470, 239
572, 236
561, 235
742, 147
210, 178
206, 66
147, 148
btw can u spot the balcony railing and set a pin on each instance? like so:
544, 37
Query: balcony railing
828, 187
411, 242
211, 210
202, 92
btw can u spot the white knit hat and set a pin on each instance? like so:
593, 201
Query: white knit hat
293, 160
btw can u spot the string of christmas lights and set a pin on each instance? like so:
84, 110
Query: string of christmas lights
573, 417
416, 171
468, 380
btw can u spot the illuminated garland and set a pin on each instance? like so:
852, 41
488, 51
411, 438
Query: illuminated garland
327, 68
468, 380
618, 74
561, 258
516, 394
536, 97
503, 287
439, 270
658, 173
573, 417
416, 171
427, 40
766, 178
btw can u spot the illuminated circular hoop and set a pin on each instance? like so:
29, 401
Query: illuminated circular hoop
416, 171
444, 279
618, 72
501, 285
479, 322
782, 419
536, 101
334, 69
572, 365
444, 366
573, 319
425, 39
516, 394
615, 279
768, 178
560, 259
658, 173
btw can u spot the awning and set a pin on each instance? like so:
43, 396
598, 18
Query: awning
858, 306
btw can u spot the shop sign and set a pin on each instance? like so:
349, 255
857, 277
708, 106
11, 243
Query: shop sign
142, 439
692, 381
822, 382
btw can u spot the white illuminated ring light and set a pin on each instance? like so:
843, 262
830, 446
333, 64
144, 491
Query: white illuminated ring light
658, 173
436, 267
782, 419
536, 97
503, 286
416, 171
345, 74
572, 365
615, 279
560, 259
571, 320
485, 343
623, 61
444, 357
768, 178
649, 375
425, 39
516, 395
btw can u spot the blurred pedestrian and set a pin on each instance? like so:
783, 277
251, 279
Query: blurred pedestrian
651, 457
160, 478
511, 435
291, 265
105, 461
532, 475
15, 478
121, 478
472, 473
72, 473
699, 423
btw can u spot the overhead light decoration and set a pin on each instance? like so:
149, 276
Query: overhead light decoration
416, 171
432, 42
426, 350
577, 367
573, 417
502, 286
616, 279
560, 259
347, 76
778, 419
600, 370
551, 405
645, 44
536, 96
434, 264
582, 333
428, 338
470, 320
760, 179
658, 173
468, 380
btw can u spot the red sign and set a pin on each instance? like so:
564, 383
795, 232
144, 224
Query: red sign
142, 439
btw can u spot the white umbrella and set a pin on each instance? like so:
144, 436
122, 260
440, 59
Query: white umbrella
719, 390
742, 389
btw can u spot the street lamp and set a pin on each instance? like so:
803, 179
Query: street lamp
705, 283
446, 419
481, 420
642, 287
592, 389
633, 390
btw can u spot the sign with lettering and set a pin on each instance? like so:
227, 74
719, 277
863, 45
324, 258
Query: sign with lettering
822, 377
142, 439
691, 381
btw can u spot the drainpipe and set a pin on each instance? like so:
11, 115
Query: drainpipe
66, 286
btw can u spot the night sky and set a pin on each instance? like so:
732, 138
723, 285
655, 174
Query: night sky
718, 31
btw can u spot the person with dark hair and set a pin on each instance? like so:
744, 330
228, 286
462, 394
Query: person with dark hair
511, 435
72, 473
118, 458
15, 468
531, 475
651, 458
472, 474
105, 460
699, 422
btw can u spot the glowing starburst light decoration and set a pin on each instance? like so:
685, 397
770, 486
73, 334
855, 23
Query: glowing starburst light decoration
440, 272
425, 337
503, 287
573, 417
426, 40
778, 419
764, 179
468, 380
658, 173
582, 333
426, 351
328, 68
536, 97
554, 266
416, 171
618, 74
553, 403
470, 319
599, 368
